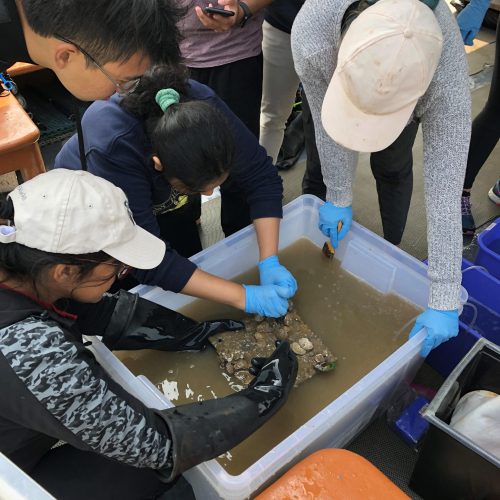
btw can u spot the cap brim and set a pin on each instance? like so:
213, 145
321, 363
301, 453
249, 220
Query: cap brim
354, 129
143, 251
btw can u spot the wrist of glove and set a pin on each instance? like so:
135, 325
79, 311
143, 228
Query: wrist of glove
440, 326
329, 218
203, 430
274, 377
137, 323
266, 300
196, 338
273, 273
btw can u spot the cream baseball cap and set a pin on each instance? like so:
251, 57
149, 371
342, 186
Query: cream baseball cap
386, 62
74, 212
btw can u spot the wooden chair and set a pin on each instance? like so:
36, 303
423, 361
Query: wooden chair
19, 149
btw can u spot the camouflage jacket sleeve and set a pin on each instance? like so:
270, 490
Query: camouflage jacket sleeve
54, 386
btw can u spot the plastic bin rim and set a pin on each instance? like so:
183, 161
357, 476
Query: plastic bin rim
446, 385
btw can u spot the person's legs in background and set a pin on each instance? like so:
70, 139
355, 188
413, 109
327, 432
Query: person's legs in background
239, 85
312, 183
280, 83
393, 172
234, 210
484, 137
179, 227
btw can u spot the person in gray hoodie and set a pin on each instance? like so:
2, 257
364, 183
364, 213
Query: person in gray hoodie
372, 72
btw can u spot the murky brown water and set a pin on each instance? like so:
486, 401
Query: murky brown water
361, 326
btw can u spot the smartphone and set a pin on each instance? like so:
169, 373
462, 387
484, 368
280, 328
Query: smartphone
219, 11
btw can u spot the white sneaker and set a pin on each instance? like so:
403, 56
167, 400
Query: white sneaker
494, 193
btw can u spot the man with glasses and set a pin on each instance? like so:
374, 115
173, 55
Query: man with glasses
96, 47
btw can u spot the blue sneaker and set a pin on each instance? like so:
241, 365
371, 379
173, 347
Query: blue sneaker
468, 223
494, 193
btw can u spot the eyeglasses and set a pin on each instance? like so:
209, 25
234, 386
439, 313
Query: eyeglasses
120, 273
122, 269
123, 89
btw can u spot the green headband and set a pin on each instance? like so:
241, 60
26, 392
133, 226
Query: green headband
167, 97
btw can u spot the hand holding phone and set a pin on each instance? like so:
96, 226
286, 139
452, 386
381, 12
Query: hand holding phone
219, 11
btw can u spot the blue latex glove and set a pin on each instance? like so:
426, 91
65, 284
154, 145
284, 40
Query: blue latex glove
329, 218
266, 300
273, 273
470, 19
440, 326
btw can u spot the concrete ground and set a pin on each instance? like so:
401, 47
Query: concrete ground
365, 204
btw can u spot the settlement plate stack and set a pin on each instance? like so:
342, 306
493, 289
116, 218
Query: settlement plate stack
451, 465
367, 256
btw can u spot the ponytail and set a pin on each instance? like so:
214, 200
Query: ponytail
142, 101
191, 138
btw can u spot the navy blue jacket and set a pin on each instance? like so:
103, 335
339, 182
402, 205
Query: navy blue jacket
281, 13
117, 149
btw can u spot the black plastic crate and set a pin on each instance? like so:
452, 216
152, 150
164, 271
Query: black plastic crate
451, 466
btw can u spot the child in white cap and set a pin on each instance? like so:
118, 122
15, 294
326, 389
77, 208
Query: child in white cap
72, 236
372, 72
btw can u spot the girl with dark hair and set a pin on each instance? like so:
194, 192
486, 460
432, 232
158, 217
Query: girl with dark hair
72, 236
164, 145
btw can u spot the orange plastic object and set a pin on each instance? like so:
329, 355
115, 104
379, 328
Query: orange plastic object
21, 68
19, 150
333, 474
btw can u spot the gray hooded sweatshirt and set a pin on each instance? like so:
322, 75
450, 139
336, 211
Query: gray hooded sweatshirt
445, 114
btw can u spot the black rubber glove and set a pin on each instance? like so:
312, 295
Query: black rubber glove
137, 323
202, 431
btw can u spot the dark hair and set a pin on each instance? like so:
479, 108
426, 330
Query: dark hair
19, 262
111, 30
352, 12
192, 139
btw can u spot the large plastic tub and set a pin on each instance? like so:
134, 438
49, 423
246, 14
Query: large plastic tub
366, 255
450, 465
15, 484
488, 254
480, 318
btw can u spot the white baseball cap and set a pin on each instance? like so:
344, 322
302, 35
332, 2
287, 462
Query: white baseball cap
74, 212
386, 62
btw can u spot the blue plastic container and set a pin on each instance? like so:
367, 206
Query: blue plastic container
481, 285
480, 318
488, 254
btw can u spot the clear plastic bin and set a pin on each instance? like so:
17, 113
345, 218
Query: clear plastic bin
488, 254
370, 258
17, 485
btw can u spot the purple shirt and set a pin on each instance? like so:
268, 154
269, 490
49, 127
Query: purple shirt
205, 48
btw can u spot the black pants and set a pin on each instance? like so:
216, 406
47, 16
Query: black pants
486, 125
393, 172
239, 85
312, 182
71, 474
180, 230
179, 227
